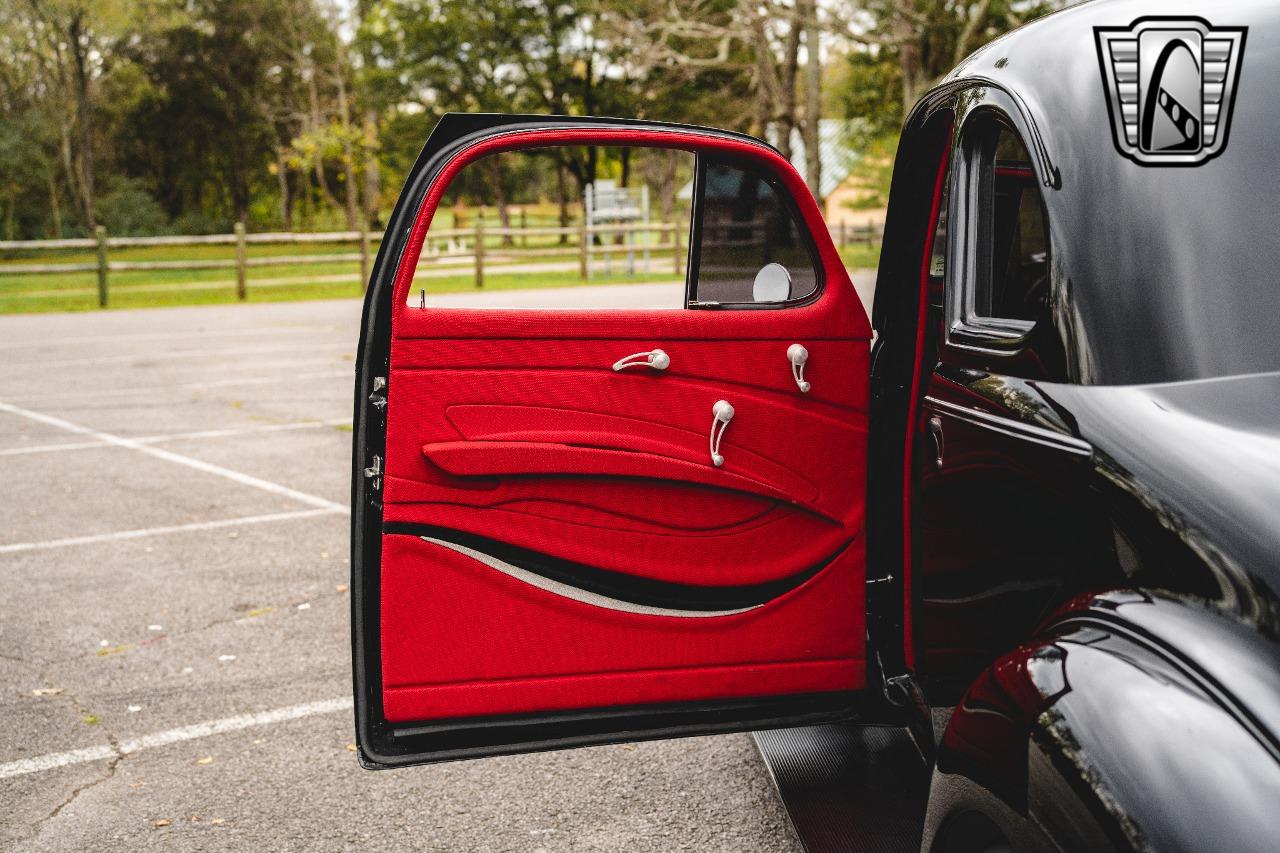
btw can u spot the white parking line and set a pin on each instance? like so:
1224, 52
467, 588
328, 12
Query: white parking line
178, 436
162, 356
132, 337
92, 538
216, 383
199, 730
178, 459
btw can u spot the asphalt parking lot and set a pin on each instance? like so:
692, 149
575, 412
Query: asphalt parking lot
174, 622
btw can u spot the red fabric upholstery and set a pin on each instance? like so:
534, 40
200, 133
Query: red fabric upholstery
512, 425
461, 642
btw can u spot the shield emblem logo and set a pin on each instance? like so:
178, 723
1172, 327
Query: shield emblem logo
1170, 85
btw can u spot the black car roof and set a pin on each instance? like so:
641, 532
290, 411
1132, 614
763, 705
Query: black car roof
1161, 272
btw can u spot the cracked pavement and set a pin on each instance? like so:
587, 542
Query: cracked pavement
107, 644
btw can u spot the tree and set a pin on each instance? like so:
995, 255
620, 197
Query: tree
925, 39
759, 43
69, 45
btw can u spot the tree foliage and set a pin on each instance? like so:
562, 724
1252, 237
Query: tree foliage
186, 115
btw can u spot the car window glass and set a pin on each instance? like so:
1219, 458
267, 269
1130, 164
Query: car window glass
509, 231
1017, 285
754, 248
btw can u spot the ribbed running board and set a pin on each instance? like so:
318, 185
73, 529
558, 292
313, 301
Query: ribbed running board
849, 788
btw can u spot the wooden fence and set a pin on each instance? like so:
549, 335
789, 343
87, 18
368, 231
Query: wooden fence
443, 245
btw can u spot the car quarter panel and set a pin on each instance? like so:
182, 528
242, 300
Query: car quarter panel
1102, 734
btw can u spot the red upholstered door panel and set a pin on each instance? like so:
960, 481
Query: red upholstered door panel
555, 535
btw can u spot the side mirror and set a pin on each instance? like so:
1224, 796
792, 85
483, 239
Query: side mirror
772, 284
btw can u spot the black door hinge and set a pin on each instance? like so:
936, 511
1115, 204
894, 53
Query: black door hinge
904, 692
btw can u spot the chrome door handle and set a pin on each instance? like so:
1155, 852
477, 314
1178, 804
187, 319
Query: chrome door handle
939, 444
655, 358
721, 414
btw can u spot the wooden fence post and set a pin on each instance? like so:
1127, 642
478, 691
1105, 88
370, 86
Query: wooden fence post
479, 250
584, 246
524, 227
364, 255
675, 249
101, 234
241, 258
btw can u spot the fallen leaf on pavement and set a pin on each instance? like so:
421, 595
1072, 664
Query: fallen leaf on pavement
351, 747
208, 759
341, 587
46, 691
159, 823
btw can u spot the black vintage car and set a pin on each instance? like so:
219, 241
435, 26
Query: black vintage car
1036, 523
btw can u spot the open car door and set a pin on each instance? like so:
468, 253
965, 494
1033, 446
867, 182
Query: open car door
583, 526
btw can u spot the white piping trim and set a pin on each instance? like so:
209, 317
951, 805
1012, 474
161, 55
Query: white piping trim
566, 591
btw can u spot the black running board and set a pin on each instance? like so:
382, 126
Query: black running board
849, 788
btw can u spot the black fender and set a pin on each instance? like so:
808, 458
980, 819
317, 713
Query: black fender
1134, 721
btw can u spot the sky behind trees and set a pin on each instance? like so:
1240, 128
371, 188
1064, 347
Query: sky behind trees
185, 116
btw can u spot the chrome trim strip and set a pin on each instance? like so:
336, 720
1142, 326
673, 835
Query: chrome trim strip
564, 590
1012, 428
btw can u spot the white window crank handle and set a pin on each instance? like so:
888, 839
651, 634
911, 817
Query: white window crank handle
721, 414
656, 358
798, 355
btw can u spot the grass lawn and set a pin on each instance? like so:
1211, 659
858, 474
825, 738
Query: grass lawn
861, 257
32, 293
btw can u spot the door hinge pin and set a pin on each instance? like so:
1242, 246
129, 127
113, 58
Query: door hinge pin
374, 473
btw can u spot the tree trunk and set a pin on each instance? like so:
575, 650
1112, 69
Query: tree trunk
348, 153
69, 175
667, 191
372, 178
493, 165
562, 198
786, 114
812, 100
286, 192
55, 208
317, 160
84, 119
908, 53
